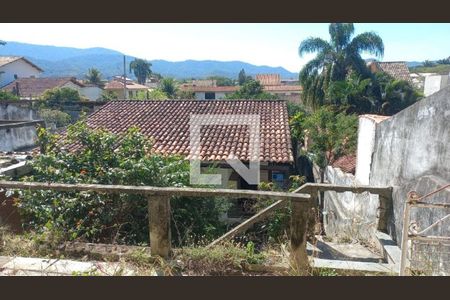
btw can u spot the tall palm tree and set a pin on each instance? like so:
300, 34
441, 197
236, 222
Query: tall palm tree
141, 69
335, 59
94, 76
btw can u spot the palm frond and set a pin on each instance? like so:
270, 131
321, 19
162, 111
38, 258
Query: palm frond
369, 42
313, 45
341, 34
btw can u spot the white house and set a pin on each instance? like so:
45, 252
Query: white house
13, 67
32, 88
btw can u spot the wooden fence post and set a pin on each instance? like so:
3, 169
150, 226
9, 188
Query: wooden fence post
299, 228
159, 225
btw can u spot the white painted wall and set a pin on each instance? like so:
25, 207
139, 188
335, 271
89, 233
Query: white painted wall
93, 93
434, 83
20, 68
366, 141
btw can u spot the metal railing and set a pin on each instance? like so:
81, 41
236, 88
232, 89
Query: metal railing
418, 238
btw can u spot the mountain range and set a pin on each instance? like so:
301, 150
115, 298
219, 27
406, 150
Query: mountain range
66, 61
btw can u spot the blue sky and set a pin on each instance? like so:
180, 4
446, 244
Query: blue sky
261, 44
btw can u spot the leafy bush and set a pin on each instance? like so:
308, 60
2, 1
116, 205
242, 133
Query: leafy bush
55, 97
5, 95
106, 158
59, 118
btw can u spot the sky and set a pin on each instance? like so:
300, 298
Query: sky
271, 44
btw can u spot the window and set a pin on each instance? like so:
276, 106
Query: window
278, 177
210, 95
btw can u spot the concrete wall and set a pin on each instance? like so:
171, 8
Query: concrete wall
412, 151
14, 112
17, 138
409, 151
434, 83
346, 215
20, 68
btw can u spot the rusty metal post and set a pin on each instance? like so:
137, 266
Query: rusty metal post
159, 225
405, 233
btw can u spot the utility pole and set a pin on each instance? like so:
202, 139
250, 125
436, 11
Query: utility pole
124, 79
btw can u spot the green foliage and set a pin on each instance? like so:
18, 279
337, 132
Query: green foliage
251, 89
59, 118
396, 94
94, 76
5, 95
222, 81
243, 78
428, 63
442, 69
332, 134
151, 95
168, 87
185, 95
141, 69
106, 158
109, 95
445, 61
335, 60
57, 97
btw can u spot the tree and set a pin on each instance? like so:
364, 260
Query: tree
141, 69
222, 81
251, 89
335, 60
168, 86
185, 95
151, 95
109, 95
59, 118
243, 78
332, 134
396, 94
445, 61
428, 63
94, 76
56, 97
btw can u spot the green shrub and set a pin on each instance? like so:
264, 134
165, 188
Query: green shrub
106, 158
5, 95
59, 118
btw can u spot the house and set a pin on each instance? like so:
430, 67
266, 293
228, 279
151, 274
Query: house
209, 92
284, 89
13, 67
397, 69
131, 88
167, 124
32, 88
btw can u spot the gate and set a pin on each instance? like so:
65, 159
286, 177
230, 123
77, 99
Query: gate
425, 251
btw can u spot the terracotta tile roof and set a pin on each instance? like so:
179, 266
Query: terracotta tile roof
35, 87
167, 123
4, 60
397, 69
283, 88
268, 79
267, 88
118, 85
346, 163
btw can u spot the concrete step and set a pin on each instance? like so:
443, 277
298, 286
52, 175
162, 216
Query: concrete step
60, 267
391, 251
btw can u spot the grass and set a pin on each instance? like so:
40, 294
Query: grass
440, 69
